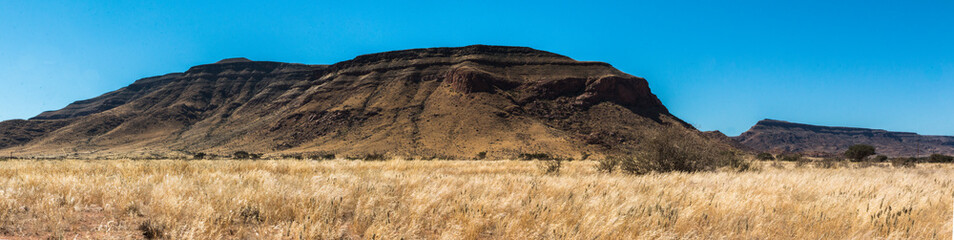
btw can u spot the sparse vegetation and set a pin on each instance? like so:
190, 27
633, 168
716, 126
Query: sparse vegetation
481, 155
290, 199
198, 156
881, 158
859, 152
764, 156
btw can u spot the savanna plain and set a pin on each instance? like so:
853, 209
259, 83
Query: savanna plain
398, 199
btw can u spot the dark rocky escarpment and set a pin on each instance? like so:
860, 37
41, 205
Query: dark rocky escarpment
780, 136
413, 103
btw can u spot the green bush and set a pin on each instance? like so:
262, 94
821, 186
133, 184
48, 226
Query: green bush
940, 158
534, 156
764, 156
198, 156
859, 152
881, 158
322, 156
481, 155
374, 157
296, 156
241, 155
791, 157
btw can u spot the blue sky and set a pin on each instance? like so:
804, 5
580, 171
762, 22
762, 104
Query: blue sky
719, 65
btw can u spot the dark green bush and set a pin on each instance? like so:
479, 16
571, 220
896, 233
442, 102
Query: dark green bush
859, 152
322, 156
198, 156
940, 158
764, 156
374, 157
241, 155
534, 156
481, 155
296, 156
791, 157
881, 158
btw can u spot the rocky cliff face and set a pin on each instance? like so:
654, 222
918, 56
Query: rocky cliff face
451, 102
780, 136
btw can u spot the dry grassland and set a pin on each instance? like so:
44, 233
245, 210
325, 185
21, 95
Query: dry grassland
339, 199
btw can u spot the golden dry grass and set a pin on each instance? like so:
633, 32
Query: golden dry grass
464, 200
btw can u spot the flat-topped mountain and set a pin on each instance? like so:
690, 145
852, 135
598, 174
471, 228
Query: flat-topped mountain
780, 136
454, 102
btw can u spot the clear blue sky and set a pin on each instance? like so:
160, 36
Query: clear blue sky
719, 65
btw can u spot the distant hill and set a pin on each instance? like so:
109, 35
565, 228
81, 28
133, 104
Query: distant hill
451, 102
780, 136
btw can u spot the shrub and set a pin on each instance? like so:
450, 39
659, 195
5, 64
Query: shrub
940, 158
607, 164
481, 155
551, 166
584, 156
241, 155
792, 157
250, 214
673, 149
859, 152
904, 162
437, 157
322, 156
296, 156
827, 163
764, 156
534, 156
881, 158
198, 156
152, 229
374, 157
